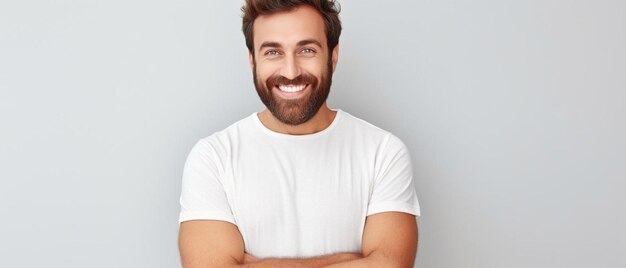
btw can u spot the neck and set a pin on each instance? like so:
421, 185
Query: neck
320, 121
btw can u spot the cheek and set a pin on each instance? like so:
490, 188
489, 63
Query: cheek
315, 67
264, 71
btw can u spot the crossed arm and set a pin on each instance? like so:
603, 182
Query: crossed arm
389, 240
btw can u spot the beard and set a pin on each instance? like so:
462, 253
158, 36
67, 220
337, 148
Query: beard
297, 111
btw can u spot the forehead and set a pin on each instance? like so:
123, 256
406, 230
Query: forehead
287, 28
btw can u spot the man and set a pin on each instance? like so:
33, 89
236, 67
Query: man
298, 184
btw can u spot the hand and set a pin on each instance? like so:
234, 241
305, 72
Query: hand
247, 258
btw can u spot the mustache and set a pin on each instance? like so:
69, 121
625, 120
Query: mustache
302, 79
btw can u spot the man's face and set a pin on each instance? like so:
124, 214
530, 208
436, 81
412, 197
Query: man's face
292, 64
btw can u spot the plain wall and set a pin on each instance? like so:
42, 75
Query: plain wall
513, 112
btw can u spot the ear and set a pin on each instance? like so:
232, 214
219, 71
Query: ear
335, 57
251, 60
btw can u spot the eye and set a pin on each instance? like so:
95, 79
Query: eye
271, 53
307, 50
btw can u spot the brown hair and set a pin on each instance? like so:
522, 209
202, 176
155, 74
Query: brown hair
328, 9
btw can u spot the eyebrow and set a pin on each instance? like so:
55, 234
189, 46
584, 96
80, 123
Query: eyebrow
269, 44
300, 43
308, 42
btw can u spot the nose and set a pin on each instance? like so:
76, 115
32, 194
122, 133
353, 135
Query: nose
290, 68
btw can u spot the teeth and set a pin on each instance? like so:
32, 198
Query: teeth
291, 88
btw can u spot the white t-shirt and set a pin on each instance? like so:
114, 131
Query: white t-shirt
296, 196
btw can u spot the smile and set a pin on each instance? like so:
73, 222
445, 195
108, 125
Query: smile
291, 88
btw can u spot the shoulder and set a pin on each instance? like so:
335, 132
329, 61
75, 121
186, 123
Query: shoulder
362, 129
230, 133
360, 124
366, 135
221, 142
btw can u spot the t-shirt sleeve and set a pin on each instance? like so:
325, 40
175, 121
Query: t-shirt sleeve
393, 188
203, 196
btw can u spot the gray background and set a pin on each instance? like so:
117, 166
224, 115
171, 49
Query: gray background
513, 112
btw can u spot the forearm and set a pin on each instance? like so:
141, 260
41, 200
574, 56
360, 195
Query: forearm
375, 260
362, 262
308, 262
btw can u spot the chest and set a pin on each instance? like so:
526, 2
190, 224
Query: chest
289, 201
